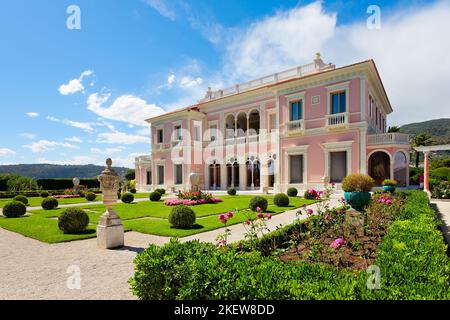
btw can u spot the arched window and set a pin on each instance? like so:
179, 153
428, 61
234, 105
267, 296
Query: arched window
379, 167
253, 173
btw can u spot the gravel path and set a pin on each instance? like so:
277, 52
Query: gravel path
30, 269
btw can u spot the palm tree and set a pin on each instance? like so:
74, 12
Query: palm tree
422, 139
393, 129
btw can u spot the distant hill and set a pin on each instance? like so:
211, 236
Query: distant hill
439, 129
43, 171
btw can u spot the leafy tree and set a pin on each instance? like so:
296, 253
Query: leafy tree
130, 175
394, 129
17, 182
422, 139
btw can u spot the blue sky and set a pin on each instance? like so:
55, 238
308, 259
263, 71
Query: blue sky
78, 96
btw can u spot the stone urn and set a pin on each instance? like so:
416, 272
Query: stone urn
357, 200
194, 179
110, 231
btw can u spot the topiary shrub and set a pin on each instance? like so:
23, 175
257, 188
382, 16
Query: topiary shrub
133, 190
155, 196
90, 196
49, 203
281, 200
73, 220
161, 191
357, 182
44, 194
127, 198
258, 201
182, 217
21, 198
14, 209
292, 192
231, 191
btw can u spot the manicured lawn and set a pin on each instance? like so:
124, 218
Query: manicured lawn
42, 225
36, 201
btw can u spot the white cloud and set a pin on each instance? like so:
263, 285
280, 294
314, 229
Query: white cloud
118, 137
162, 7
75, 85
170, 80
29, 136
74, 139
284, 40
410, 50
126, 108
4, 152
107, 151
32, 114
77, 160
46, 145
187, 82
85, 126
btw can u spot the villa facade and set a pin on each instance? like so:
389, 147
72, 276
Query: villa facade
296, 128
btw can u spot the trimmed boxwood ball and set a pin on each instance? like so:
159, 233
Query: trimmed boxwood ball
292, 192
231, 191
155, 196
182, 217
133, 190
73, 220
21, 198
127, 197
90, 196
281, 200
49, 203
161, 191
44, 194
14, 209
258, 201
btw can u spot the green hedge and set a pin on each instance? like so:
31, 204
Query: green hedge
412, 259
57, 184
3, 185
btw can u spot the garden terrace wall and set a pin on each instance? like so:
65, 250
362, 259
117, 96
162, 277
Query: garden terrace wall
57, 184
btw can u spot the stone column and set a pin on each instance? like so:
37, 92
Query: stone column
110, 231
426, 172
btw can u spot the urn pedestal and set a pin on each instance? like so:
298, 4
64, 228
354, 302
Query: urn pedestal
110, 231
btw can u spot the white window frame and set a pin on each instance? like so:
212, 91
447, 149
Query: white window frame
337, 147
296, 151
294, 98
178, 123
175, 173
157, 128
335, 88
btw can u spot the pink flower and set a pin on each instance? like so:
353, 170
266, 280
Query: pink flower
260, 215
309, 212
268, 216
388, 202
337, 243
258, 209
327, 217
248, 222
229, 214
222, 218
306, 223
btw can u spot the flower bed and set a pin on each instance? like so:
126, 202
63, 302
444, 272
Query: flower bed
403, 244
192, 198
66, 196
187, 202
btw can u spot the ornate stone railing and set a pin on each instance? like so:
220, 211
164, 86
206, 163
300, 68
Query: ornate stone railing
294, 126
297, 72
388, 138
338, 119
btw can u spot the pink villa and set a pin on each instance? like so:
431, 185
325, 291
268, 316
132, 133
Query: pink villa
298, 128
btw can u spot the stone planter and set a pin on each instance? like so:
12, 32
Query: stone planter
357, 200
390, 189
